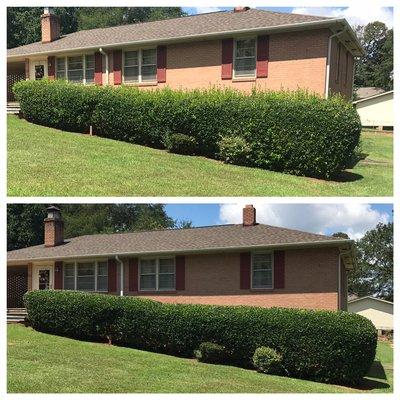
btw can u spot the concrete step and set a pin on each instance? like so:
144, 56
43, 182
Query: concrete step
16, 315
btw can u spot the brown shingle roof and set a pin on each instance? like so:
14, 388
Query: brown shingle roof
223, 237
185, 27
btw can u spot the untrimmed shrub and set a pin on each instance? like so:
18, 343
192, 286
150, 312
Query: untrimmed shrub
234, 150
211, 353
181, 144
267, 360
293, 132
324, 346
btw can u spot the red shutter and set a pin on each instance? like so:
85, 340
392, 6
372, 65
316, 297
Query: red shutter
161, 64
180, 272
279, 269
245, 270
98, 68
133, 274
227, 58
262, 56
112, 275
58, 275
51, 66
117, 66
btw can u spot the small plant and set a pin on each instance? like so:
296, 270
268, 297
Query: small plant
181, 144
211, 353
234, 150
267, 360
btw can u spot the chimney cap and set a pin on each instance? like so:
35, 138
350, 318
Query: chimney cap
48, 10
53, 212
240, 9
52, 208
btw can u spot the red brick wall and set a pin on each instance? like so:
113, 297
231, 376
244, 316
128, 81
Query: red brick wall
311, 278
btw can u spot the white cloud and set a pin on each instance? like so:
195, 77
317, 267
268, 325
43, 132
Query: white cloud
203, 10
358, 14
353, 219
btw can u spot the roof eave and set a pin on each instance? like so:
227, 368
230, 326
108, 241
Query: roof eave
271, 29
322, 243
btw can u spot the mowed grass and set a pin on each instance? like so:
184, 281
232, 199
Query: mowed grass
43, 363
48, 162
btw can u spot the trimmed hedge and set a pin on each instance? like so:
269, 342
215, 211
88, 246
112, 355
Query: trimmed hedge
325, 346
293, 132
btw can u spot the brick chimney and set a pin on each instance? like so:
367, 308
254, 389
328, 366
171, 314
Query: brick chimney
50, 25
249, 215
240, 9
53, 228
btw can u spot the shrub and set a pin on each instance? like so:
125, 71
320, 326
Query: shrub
267, 360
211, 353
294, 132
324, 346
234, 150
181, 144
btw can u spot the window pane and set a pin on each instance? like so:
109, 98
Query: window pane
102, 283
75, 62
90, 61
149, 57
102, 268
85, 269
245, 66
131, 74
167, 265
75, 76
89, 72
69, 269
148, 266
166, 281
60, 68
246, 48
85, 283
262, 261
262, 279
148, 282
131, 58
69, 283
149, 73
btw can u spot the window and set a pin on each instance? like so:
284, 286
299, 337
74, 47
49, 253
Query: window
261, 271
86, 276
60, 68
89, 68
140, 66
157, 274
75, 69
245, 58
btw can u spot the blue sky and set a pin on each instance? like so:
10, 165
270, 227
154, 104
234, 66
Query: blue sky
357, 14
354, 219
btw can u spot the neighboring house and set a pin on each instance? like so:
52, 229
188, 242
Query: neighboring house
376, 111
367, 91
379, 311
243, 264
237, 49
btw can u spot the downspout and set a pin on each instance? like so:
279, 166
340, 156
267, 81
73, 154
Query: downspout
328, 63
121, 277
101, 51
339, 284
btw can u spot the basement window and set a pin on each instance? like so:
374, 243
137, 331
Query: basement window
244, 58
91, 276
157, 274
261, 271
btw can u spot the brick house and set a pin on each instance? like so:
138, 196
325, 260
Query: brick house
237, 49
242, 264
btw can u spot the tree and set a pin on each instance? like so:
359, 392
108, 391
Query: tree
376, 67
373, 275
341, 235
25, 221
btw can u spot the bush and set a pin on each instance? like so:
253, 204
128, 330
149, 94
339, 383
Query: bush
181, 144
267, 360
234, 150
324, 346
211, 353
294, 132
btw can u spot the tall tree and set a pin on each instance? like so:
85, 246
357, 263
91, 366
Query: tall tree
373, 275
25, 221
376, 67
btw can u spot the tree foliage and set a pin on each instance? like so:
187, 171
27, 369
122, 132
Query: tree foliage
23, 23
373, 275
25, 221
376, 67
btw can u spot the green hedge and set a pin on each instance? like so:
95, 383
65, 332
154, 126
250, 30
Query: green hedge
324, 346
293, 132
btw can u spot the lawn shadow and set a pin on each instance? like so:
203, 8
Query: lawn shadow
370, 382
346, 176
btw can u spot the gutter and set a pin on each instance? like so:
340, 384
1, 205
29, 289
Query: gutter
328, 62
267, 29
322, 243
101, 51
121, 265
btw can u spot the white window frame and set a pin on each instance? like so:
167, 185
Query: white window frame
83, 65
157, 274
140, 61
96, 269
235, 40
272, 270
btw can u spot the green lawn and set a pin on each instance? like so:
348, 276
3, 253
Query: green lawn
39, 362
48, 162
